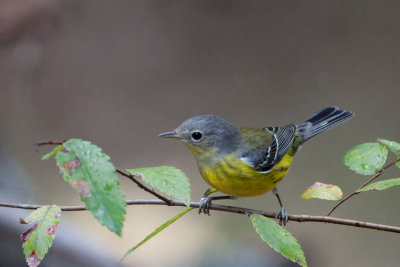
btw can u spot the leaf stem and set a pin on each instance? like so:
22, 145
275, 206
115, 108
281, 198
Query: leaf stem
144, 187
239, 210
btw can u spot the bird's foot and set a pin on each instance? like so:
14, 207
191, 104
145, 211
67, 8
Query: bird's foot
282, 215
205, 204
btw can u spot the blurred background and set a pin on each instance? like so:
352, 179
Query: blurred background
118, 73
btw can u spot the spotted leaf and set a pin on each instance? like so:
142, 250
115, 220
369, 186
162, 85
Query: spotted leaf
87, 169
37, 240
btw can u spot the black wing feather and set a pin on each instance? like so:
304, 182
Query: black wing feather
282, 140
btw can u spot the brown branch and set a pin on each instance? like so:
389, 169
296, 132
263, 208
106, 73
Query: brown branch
166, 201
49, 143
239, 210
376, 175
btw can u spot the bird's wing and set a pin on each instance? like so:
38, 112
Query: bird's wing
265, 157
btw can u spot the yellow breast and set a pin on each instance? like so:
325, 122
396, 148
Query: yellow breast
234, 177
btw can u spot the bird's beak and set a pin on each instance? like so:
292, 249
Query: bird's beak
172, 134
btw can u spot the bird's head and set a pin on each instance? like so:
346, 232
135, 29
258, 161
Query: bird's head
207, 133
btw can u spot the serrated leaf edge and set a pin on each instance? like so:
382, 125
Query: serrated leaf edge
298, 261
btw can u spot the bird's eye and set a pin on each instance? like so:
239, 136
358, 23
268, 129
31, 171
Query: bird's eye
196, 136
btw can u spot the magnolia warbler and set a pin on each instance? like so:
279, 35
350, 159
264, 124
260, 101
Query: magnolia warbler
244, 162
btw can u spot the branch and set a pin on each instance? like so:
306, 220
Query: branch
376, 175
292, 217
166, 201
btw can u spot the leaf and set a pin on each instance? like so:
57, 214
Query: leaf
323, 191
278, 238
53, 152
88, 169
37, 240
393, 146
169, 180
158, 230
381, 185
367, 158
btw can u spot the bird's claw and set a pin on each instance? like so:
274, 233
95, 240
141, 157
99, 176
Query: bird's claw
282, 215
205, 204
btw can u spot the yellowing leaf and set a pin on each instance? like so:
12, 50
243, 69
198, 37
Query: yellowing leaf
323, 191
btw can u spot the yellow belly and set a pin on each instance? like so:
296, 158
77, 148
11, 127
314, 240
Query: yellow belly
234, 177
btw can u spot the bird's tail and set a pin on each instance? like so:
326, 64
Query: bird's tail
321, 121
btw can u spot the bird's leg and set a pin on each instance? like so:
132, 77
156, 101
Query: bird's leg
205, 202
281, 214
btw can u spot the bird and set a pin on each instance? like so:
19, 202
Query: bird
246, 162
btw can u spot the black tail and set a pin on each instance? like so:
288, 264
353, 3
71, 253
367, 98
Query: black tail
322, 120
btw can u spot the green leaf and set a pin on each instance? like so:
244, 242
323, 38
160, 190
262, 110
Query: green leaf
381, 185
393, 146
53, 152
37, 240
278, 238
158, 230
89, 170
367, 158
323, 191
169, 180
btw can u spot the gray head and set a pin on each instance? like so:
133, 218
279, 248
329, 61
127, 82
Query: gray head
207, 132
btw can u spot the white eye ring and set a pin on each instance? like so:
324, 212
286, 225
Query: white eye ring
196, 136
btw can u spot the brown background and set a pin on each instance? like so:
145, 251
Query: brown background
118, 73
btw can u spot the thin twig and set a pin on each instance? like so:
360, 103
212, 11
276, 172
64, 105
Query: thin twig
144, 187
51, 142
239, 210
376, 175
